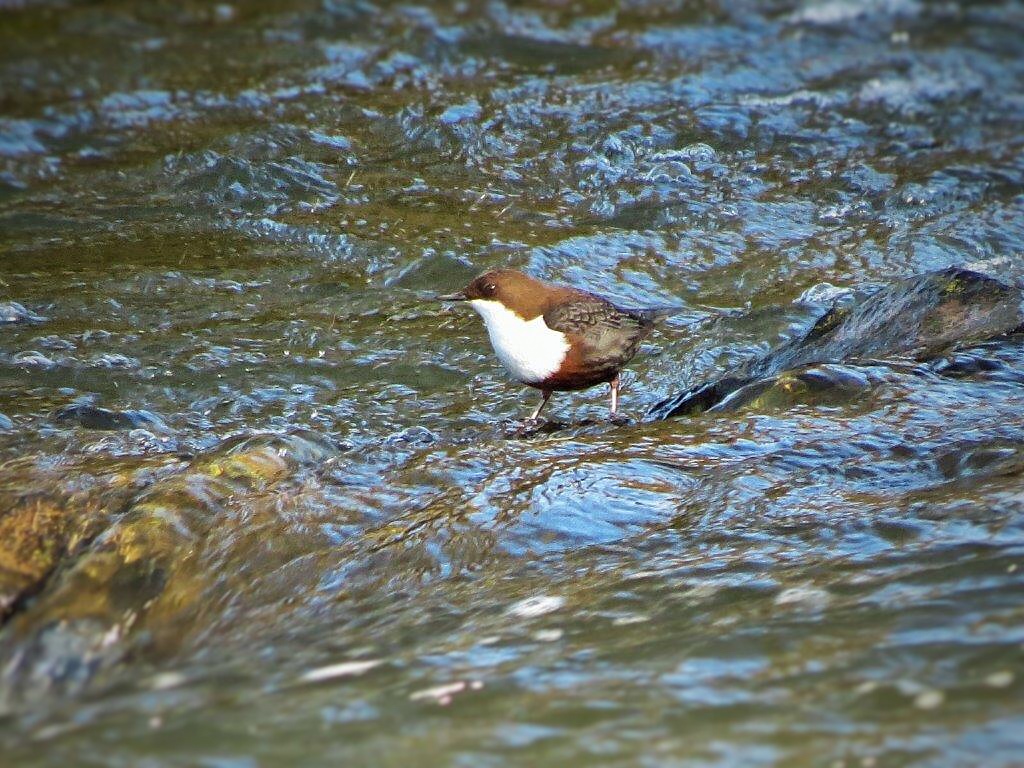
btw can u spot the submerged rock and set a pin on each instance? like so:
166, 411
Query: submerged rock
38, 531
32, 533
137, 574
919, 317
93, 417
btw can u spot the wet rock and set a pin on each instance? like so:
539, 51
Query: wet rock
138, 572
31, 534
820, 384
37, 530
93, 417
920, 317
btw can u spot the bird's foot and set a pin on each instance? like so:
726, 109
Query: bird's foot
532, 423
524, 427
619, 419
531, 427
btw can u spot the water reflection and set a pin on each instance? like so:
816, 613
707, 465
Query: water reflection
252, 485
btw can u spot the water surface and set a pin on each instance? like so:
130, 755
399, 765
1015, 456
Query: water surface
309, 538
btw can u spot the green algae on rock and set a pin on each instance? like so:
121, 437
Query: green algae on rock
137, 572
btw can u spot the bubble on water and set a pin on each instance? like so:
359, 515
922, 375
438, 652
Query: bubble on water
929, 699
1001, 679
548, 635
822, 293
811, 598
341, 669
224, 12
643, 574
54, 730
54, 342
33, 359
443, 694
842, 11
703, 591
114, 360
535, 606
13, 312
163, 681
333, 141
698, 153
911, 94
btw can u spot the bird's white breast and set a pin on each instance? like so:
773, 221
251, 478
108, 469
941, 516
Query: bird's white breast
527, 348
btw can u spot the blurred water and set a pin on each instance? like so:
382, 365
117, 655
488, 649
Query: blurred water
288, 522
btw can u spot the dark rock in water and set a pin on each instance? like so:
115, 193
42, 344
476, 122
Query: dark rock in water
93, 417
920, 317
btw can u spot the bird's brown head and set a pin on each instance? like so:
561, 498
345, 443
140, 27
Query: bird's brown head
519, 293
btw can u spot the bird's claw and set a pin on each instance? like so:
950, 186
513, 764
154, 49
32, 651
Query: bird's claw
526, 427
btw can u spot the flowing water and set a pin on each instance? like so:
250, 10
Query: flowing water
263, 505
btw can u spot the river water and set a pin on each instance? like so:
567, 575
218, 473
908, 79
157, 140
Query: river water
303, 531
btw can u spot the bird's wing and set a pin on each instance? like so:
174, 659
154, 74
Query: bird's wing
609, 335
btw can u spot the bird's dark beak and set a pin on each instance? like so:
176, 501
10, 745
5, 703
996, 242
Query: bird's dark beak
457, 296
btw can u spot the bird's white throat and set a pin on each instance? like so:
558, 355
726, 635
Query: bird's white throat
527, 348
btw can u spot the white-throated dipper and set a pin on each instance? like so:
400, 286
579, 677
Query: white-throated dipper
556, 338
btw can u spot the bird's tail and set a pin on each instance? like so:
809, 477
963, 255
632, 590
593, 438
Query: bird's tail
650, 315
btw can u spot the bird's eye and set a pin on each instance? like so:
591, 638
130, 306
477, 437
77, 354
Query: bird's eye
489, 289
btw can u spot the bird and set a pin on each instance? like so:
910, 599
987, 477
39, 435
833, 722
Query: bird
556, 338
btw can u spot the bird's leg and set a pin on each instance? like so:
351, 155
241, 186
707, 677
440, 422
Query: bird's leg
614, 386
544, 401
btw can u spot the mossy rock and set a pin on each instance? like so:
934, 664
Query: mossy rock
37, 531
